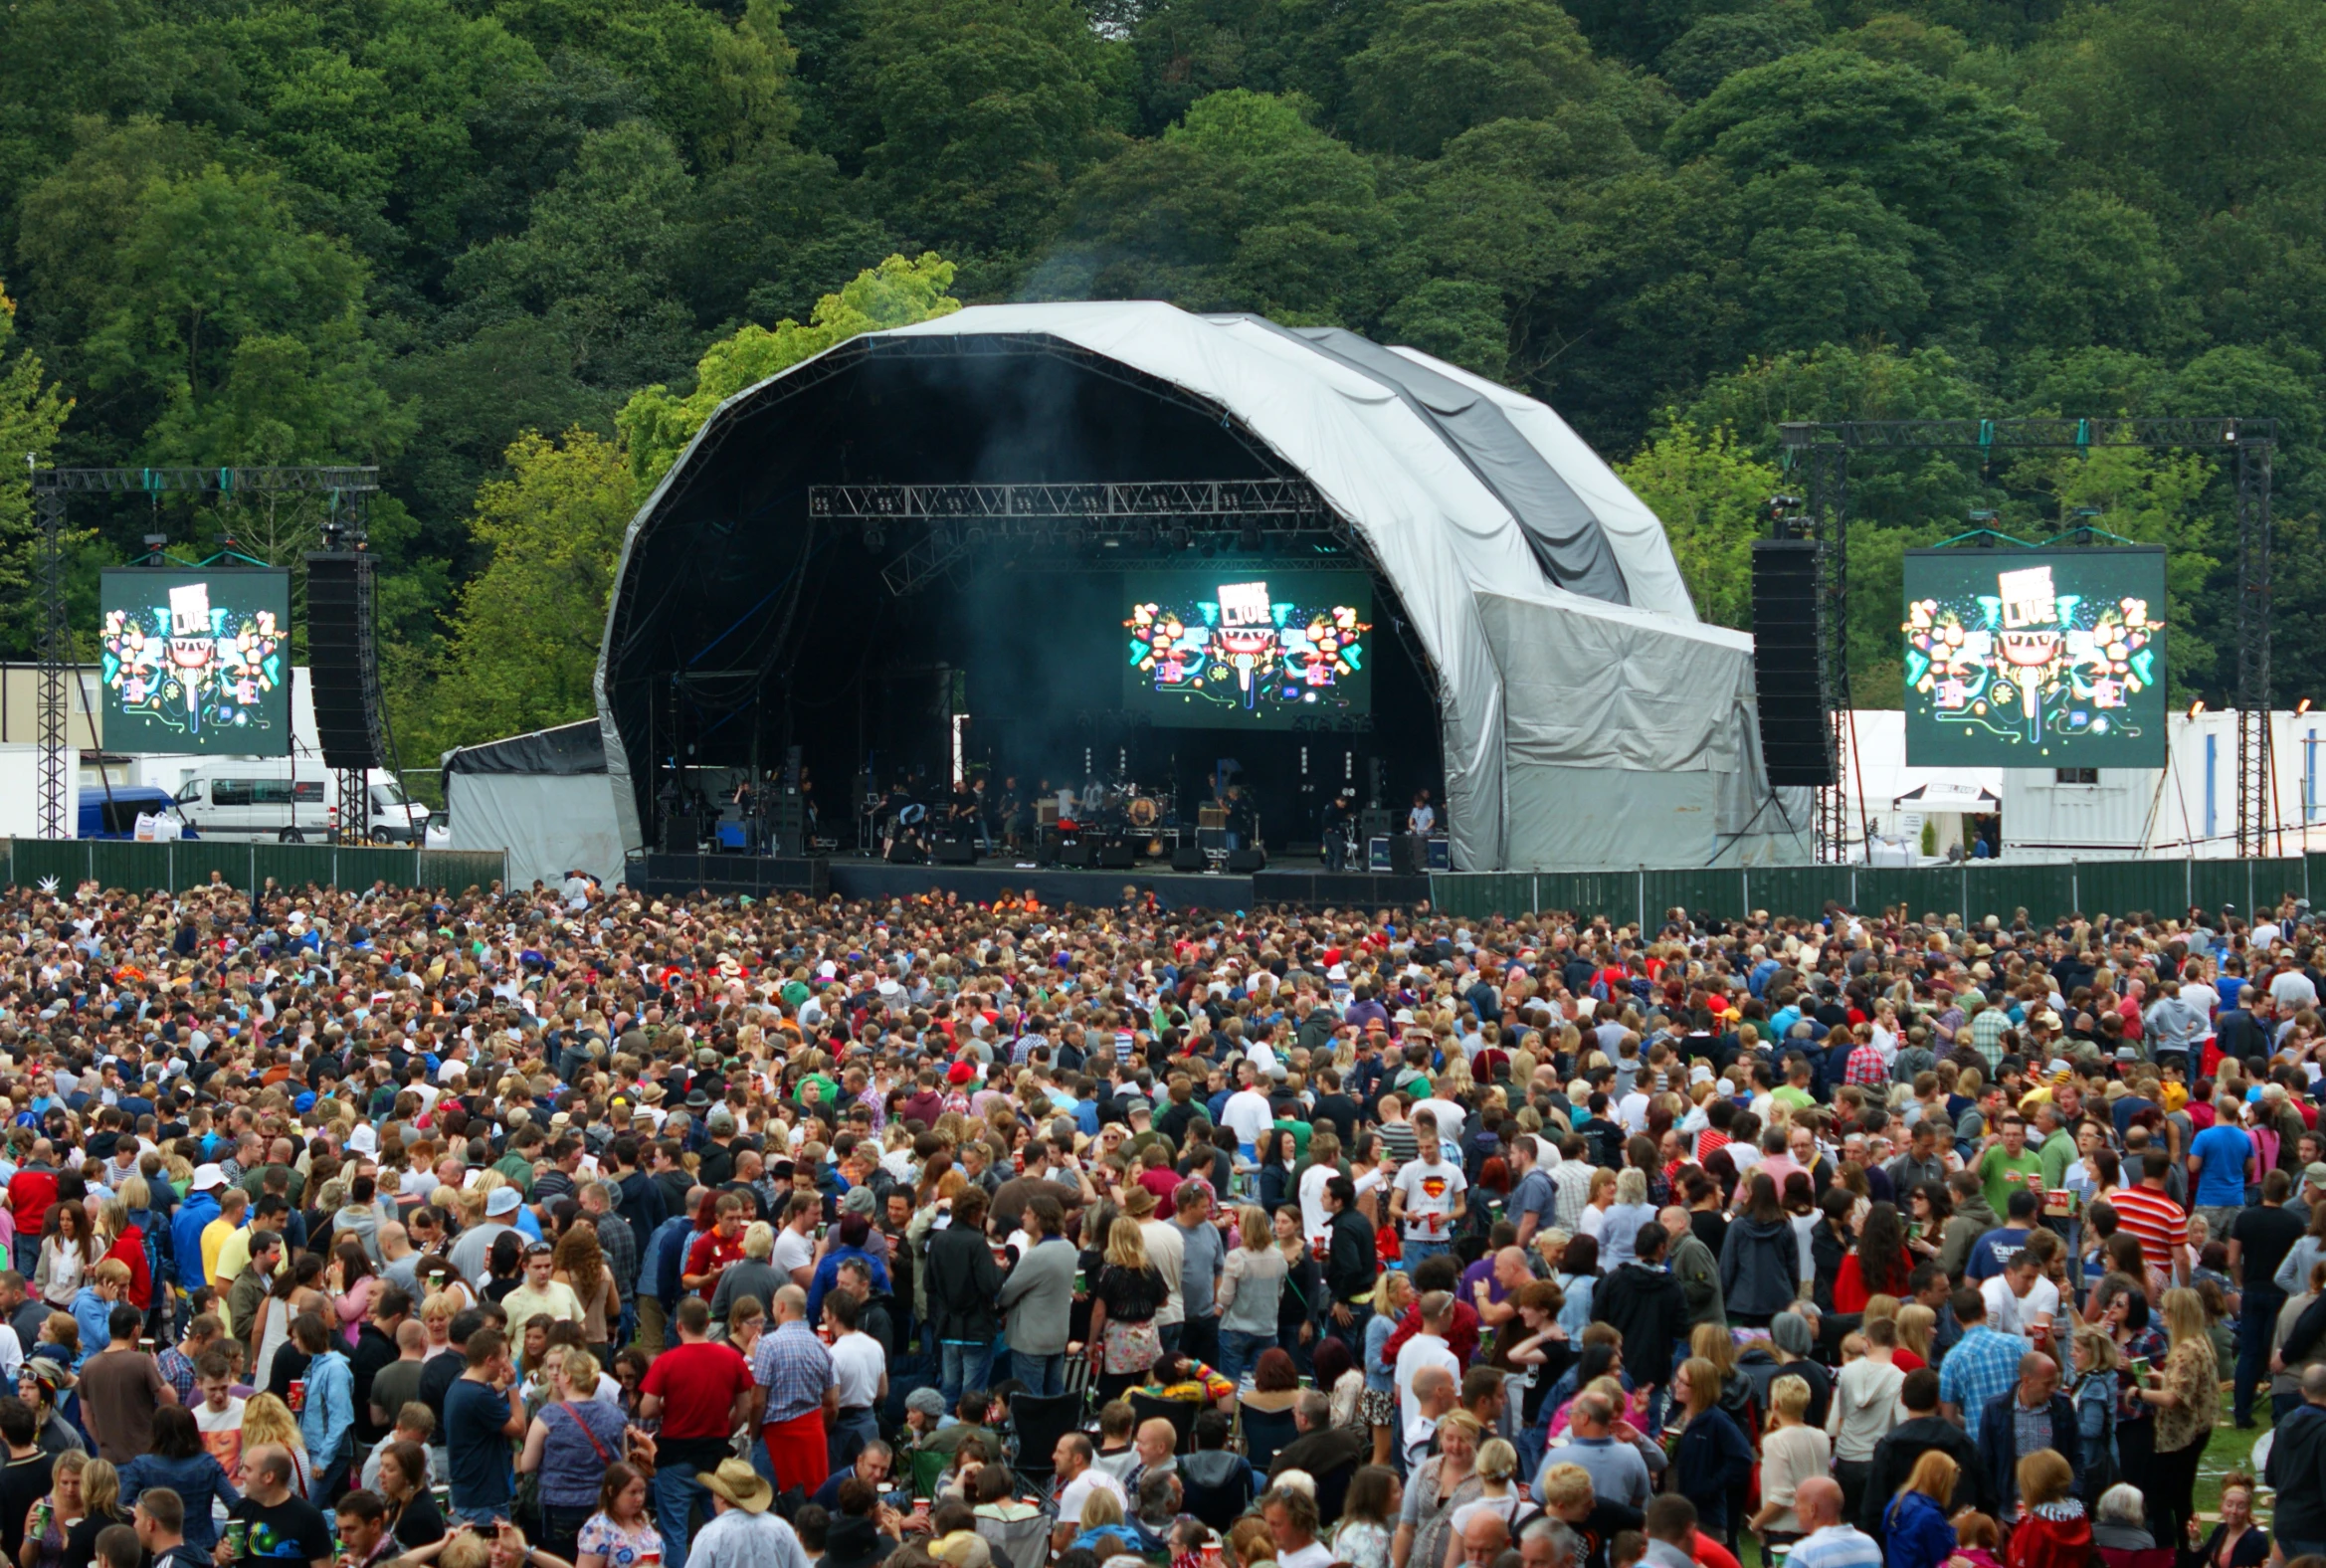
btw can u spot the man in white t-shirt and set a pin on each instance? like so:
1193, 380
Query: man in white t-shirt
1248, 1115
1078, 1477
860, 1369
795, 1253
2020, 1301
219, 1418
1428, 1194
1425, 1349
1450, 1119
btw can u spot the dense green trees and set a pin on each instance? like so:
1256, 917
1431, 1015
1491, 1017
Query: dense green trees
429, 233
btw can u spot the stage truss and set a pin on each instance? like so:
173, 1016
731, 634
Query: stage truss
1825, 448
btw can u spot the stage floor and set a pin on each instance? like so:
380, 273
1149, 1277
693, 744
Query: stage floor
857, 878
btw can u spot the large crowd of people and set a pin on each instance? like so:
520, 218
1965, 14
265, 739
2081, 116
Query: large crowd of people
585, 1229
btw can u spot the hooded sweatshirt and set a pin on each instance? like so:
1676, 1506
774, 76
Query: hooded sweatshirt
1760, 1267
1972, 1219
2052, 1535
1645, 1305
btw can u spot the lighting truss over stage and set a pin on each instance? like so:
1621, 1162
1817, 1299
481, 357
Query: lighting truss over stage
1147, 500
1159, 515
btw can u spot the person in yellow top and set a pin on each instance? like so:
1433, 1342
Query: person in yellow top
235, 1255
233, 1207
540, 1294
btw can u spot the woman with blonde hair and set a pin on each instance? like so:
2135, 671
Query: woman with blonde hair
1915, 1531
1393, 1292
1712, 1342
1917, 1325
1792, 1451
2094, 1388
580, 1262
2054, 1531
1499, 1494
1250, 1283
2186, 1394
266, 1419
1438, 1486
45, 1547
1124, 1298
1713, 1462
1620, 1226
101, 1509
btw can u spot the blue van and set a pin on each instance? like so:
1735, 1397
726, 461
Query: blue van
113, 814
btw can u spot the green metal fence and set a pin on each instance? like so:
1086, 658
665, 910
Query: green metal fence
117, 863
2044, 891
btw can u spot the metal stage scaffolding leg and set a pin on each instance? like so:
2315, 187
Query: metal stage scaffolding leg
2255, 820
56, 654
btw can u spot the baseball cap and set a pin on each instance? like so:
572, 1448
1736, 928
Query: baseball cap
208, 1178
2315, 1173
503, 1200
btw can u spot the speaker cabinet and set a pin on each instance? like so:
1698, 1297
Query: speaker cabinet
342, 663
1243, 863
954, 852
684, 835
1788, 644
1186, 858
1081, 853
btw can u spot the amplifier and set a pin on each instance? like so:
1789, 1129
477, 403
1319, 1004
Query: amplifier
1210, 816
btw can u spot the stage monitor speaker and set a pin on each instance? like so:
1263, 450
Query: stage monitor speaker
788, 822
1117, 856
1406, 856
1789, 642
906, 854
1081, 853
954, 852
1243, 863
1378, 824
1186, 858
682, 834
342, 661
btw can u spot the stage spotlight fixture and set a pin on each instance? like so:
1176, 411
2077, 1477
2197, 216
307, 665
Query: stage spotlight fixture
1249, 539
1179, 536
874, 538
2196, 707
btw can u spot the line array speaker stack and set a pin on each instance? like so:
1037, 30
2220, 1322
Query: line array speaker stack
1788, 644
342, 660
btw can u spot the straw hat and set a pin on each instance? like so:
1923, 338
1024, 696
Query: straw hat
740, 1485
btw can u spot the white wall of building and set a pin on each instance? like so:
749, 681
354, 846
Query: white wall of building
2189, 807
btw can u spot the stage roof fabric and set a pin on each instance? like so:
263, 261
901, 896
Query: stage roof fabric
1459, 489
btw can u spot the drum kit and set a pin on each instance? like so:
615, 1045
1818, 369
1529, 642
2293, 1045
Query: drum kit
1125, 811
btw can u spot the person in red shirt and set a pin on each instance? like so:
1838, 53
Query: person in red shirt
715, 1248
700, 1391
32, 1192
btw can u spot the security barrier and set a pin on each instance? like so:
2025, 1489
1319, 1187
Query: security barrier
191, 862
2045, 892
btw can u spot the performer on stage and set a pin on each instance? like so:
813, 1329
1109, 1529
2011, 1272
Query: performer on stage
1242, 818
1338, 828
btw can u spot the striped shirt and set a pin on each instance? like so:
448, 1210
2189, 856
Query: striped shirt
1398, 1137
1836, 1546
2159, 1223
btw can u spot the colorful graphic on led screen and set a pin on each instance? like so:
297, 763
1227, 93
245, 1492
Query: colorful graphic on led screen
197, 662
1248, 648
2036, 657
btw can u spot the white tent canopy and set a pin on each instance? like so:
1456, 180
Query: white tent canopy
1948, 797
1587, 718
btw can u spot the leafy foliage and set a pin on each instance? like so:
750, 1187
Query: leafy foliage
419, 231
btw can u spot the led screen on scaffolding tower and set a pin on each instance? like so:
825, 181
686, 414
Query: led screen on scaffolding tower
1247, 647
2049, 657
196, 663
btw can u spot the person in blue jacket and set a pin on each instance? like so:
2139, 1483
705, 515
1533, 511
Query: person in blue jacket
1915, 1531
1712, 1463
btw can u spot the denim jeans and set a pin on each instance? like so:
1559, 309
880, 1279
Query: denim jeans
676, 1496
1417, 1251
2256, 1325
1353, 1336
1238, 1350
1044, 1377
967, 1365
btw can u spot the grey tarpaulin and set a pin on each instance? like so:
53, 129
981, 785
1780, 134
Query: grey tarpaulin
1474, 502
543, 798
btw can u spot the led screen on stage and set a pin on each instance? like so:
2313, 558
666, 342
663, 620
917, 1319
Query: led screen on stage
2036, 657
1245, 647
197, 662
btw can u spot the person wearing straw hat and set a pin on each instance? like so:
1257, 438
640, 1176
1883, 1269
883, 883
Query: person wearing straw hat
745, 1533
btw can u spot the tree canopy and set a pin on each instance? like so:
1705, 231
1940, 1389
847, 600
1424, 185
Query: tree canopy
516, 251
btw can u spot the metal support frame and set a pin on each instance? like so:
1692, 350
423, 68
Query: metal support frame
1825, 448
949, 522
2254, 817
50, 488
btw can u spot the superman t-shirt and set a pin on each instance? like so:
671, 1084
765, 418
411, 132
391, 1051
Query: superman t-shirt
1430, 1188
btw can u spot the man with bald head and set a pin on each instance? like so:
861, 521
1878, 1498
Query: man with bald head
1496, 1292
1484, 1538
2033, 1415
1435, 1394
1826, 1542
272, 1511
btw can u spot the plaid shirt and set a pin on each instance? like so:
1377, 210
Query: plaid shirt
620, 1245
1987, 1032
1866, 1068
1983, 1366
178, 1372
795, 1369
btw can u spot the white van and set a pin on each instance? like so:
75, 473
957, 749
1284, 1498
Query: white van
289, 801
